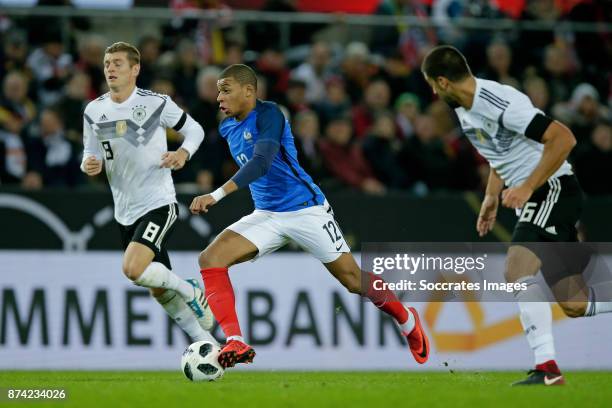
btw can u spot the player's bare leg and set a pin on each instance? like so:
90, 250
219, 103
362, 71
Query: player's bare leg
350, 275
572, 294
536, 317
183, 300
227, 249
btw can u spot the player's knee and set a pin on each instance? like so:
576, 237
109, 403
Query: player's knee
208, 259
132, 269
521, 263
573, 309
157, 292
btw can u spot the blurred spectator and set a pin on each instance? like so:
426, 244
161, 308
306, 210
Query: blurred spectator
336, 101
357, 69
296, 97
425, 158
407, 109
557, 73
17, 111
537, 90
307, 134
593, 161
264, 34
397, 74
51, 67
234, 54
14, 53
499, 64
412, 41
185, 72
469, 170
345, 160
205, 109
380, 148
271, 65
582, 112
91, 57
535, 42
262, 88
14, 158
149, 47
52, 159
376, 99
72, 105
314, 71
211, 155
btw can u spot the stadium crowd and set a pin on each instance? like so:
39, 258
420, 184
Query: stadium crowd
361, 112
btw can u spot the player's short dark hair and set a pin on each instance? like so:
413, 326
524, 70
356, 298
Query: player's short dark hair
446, 61
243, 74
133, 55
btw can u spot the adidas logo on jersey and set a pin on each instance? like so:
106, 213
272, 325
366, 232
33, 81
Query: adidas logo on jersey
102, 118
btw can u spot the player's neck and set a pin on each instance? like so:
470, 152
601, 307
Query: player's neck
466, 92
247, 110
121, 95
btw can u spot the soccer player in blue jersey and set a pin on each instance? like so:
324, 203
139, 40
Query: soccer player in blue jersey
289, 206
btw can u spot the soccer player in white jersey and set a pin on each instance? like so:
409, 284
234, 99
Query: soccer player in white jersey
527, 153
124, 130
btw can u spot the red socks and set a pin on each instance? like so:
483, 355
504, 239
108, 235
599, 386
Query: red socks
220, 296
549, 366
385, 300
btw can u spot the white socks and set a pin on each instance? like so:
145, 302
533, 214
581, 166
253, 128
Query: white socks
536, 318
156, 275
600, 299
408, 325
178, 310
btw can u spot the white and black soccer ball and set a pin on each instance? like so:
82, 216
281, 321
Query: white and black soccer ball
199, 362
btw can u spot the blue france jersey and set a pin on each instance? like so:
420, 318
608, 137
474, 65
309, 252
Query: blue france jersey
286, 186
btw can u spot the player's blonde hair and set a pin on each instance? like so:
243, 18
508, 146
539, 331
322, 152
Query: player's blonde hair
133, 55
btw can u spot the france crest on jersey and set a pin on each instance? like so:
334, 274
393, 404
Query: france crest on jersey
286, 186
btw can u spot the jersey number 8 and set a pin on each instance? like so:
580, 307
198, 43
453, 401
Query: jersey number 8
107, 150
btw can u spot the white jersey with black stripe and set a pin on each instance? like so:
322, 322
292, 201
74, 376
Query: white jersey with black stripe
131, 137
496, 126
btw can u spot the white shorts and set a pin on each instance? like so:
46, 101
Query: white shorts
314, 229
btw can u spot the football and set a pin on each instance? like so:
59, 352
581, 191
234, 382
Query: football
199, 362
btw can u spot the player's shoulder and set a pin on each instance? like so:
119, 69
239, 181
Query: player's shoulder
148, 94
224, 126
96, 104
267, 107
499, 95
268, 111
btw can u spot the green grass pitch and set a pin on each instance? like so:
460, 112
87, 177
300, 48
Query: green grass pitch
307, 389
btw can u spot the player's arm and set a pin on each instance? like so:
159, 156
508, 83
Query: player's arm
558, 142
193, 134
92, 157
490, 203
270, 124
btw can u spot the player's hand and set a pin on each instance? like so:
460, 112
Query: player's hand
174, 160
201, 204
488, 215
92, 166
516, 197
